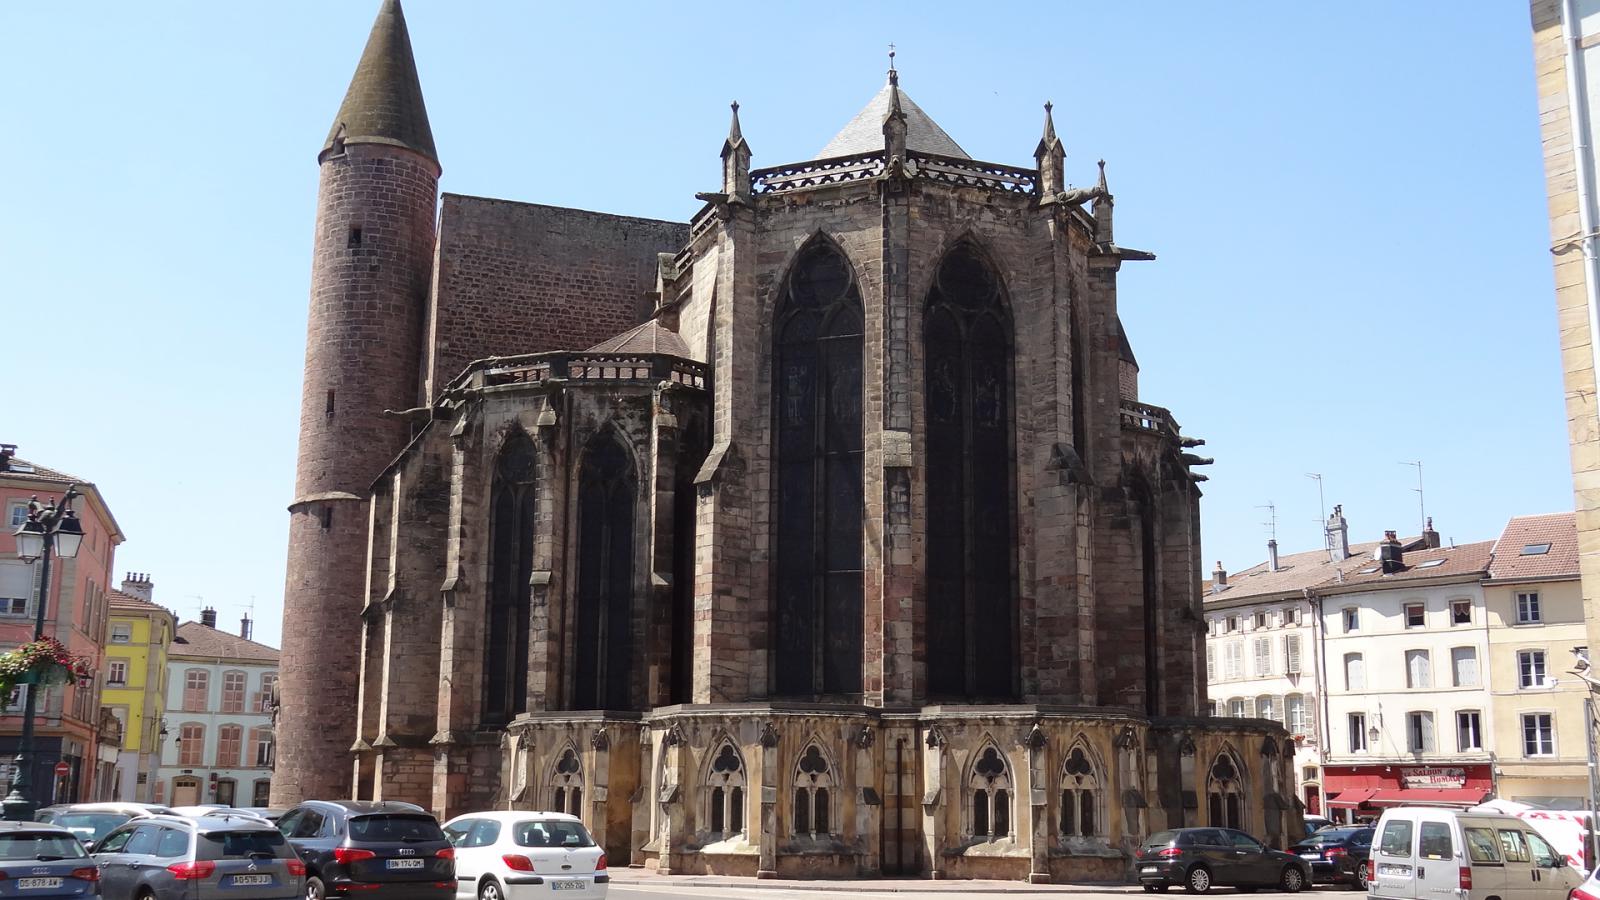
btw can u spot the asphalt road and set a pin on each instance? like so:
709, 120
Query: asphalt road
637, 891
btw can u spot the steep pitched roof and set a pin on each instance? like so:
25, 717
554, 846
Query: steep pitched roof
384, 102
864, 133
195, 639
1560, 559
651, 337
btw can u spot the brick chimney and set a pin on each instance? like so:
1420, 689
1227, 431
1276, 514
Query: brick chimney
1430, 538
138, 584
1389, 554
1219, 579
244, 626
208, 617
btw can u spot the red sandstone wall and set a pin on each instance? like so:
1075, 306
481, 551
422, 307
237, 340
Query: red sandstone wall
523, 278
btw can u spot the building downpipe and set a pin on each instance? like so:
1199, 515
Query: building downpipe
1582, 153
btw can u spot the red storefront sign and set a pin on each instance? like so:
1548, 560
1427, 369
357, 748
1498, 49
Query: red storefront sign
1376, 786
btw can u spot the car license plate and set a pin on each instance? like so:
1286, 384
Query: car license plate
28, 884
566, 885
250, 879
1148, 869
404, 863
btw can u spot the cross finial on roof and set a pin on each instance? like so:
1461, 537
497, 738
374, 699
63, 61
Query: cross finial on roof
894, 77
735, 134
1102, 184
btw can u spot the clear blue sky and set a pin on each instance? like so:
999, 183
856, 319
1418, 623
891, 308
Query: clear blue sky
1347, 201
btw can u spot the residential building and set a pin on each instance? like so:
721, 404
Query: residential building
1536, 619
139, 637
68, 716
220, 694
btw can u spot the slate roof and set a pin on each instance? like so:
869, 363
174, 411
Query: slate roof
384, 102
651, 337
195, 639
864, 133
1559, 530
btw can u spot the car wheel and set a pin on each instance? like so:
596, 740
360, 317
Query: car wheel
315, 889
490, 890
1198, 881
1360, 882
1293, 880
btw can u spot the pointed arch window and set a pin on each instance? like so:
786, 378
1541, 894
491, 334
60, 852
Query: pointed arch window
990, 791
726, 797
566, 784
1082, 796
813, 794
972, 610
511, 531
819, 503
607, 494
1225, 792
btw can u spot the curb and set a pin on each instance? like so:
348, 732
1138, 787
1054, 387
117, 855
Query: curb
857, 887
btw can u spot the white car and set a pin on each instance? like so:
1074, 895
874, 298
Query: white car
511, 855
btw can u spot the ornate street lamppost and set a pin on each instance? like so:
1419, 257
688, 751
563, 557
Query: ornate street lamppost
50, 530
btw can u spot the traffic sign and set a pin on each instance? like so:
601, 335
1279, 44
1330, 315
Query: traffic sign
62, 769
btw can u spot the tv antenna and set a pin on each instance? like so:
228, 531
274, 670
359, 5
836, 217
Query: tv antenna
1272, 520
1422, 509
1322, 504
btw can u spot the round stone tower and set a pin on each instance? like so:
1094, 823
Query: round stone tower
370, 269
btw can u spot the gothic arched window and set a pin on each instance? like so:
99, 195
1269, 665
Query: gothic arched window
607, 494
1082, 795
727, 792
566, 784
971, 612
990, 790
819, 504
505, 664
1225, 792
813, 791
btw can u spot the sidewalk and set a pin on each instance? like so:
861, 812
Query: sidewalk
638, 878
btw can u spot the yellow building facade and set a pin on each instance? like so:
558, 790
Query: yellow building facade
138, 640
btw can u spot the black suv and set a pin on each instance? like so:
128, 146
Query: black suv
1201, 858
1337, 855
384, 850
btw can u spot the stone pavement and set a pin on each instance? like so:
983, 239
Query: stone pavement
722, 885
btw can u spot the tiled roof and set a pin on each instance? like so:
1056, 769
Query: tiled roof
1559, 530
120, 600
1465, 559
650, 337
22, 470
864, 133
1296, 572
195, 639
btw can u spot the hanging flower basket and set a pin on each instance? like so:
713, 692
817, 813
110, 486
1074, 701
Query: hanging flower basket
44, 661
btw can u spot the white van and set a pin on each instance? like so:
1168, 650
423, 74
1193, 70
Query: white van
1424, 852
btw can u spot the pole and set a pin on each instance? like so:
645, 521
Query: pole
1589, 841
19, 805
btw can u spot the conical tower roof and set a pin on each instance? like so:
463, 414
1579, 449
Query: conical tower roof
864, 134
384, 103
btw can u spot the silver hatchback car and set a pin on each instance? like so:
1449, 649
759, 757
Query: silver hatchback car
216, 857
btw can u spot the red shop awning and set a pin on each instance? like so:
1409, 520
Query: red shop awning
1352, 798
1428, 796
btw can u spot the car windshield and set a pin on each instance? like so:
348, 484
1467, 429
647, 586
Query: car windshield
1160, 839
39, 845
241, 844
1331, 836
550, 833
390, 827
90, 826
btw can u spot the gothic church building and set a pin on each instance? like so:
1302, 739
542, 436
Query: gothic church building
823, 534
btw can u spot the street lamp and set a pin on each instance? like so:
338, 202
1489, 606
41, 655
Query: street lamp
1582, 668
50, 530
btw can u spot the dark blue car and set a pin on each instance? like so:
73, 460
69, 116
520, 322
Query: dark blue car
44, 861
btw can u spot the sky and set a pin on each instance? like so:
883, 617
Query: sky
1346, 201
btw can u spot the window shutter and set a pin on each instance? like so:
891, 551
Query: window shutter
1291, 654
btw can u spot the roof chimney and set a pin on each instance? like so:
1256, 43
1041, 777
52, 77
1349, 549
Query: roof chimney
1389, 554
208, 617
1337, 535
1430, 538
244, 627
138, 584
1219, 579
1272, 555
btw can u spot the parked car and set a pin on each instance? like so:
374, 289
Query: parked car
1337, 855
199, 858
356, 845
519, 855
44, 861
1590, 889
1423, 852
91, 822
1203, 858
1315, 823
271, 814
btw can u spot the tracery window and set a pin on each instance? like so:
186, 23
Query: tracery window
607, 493
1225, 792
970, 553
990, 792
727, 792
1082, 796
813, 789
566, 784
512, 499
819, 502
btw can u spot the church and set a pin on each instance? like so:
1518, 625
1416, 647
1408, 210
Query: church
824, 534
